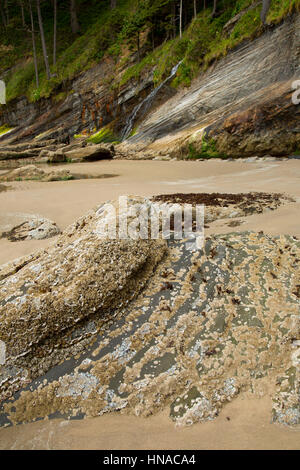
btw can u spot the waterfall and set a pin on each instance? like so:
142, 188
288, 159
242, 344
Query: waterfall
146, 103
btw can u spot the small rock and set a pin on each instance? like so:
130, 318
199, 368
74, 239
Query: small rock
57, 157
34, 228
92, 153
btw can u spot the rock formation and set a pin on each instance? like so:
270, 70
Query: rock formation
32, 172
209, 324
82, 273
91, 153
242, 103
30, 227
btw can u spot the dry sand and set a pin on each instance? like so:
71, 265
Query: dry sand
63, 202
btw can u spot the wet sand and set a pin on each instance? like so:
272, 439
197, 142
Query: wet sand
65, 201
249, 426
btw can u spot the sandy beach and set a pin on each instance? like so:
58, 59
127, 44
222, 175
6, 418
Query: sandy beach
168, 319
65, 201
243, 424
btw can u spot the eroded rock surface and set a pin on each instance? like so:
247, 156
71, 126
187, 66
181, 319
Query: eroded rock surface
33, 172
243, 103
77, 276
91, 153
24, 172
210, 324
3, 188
31, 228
223, 205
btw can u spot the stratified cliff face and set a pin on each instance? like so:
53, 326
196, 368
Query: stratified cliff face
243, 102
88, 105
91, 103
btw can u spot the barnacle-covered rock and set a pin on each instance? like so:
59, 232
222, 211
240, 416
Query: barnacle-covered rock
79, 275
29, 227
210, 325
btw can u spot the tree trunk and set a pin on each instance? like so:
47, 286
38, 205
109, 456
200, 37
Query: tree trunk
38, 6
174, 19
54, 30
185, 15
195, 8
3, 15
6, 11
74, 21
152, 39
214, 8
138, 46
22, 13
265, 8
113, 4
34, 47
180, 19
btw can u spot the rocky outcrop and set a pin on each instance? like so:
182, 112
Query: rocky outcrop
80, 275
243, 103
223, 206
210, 325
58, 153
11, 154
89, 104
53, 157
24, 150
31, 227
27, 171
268, 127
91, 153
32, 172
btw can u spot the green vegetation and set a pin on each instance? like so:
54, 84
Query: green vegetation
145, 28
105, 135
204, 41
134, 131
75, 53
297, 151
4, 129
208, 150
64, 178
